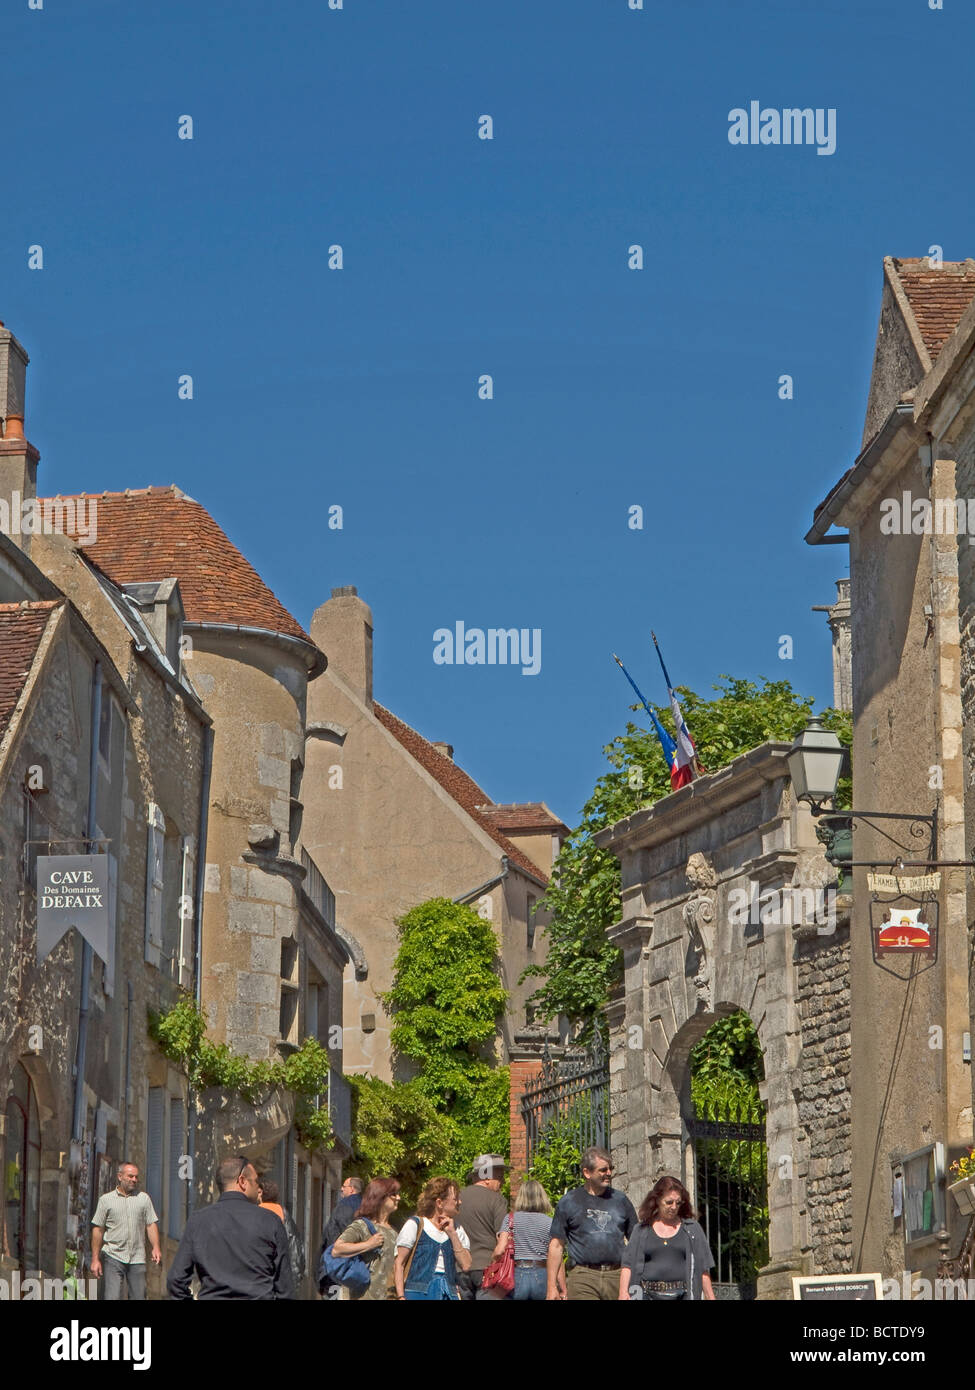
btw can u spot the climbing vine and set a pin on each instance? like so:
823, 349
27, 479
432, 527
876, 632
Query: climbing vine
180, 1033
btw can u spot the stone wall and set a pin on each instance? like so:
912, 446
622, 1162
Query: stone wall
823, 1002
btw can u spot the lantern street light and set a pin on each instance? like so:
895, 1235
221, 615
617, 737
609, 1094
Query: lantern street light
815, 764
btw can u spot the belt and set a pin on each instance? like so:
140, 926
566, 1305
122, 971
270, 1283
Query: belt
530, 1264
663, 1285
579, 1264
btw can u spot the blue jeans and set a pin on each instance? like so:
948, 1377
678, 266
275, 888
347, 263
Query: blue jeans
116, 1273
530, 1284
437, 1290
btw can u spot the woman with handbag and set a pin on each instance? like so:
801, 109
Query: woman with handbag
531, 1223
378, 1249
430, 1248
667, 1257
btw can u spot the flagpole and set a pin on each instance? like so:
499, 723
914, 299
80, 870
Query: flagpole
661, 656
696, 768
639, 695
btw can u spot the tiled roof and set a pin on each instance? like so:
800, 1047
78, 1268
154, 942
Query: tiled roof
522, 815
21, 629
156, 533
456, 783
938, 298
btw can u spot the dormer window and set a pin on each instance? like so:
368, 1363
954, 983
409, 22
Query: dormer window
161, 608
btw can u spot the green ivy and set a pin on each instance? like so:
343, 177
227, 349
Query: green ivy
582, 966
447, 1003
180, 1033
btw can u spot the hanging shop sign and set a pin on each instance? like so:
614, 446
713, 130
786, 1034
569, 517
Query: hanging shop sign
73, 891
903, 918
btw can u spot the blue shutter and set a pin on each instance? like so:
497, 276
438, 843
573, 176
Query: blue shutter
154, 1146
176, 1210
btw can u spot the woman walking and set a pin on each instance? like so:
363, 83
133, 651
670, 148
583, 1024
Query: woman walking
378, 1249
668, 1256
531, 1224
430, 1249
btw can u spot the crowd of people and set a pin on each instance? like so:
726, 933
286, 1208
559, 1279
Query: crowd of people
460, 1244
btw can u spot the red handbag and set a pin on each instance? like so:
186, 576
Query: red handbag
500, 1273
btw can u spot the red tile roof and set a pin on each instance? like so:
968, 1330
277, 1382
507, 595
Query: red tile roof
456, 783
155, 533
21, 629
522, 815
938, 298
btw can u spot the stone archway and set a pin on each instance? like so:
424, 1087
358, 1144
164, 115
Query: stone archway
712, 876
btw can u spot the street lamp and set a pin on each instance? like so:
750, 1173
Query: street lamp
815, 763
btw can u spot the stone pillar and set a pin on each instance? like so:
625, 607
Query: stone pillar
630, 1058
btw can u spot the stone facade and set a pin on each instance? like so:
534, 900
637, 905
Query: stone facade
396, 822
912, 594
711, 924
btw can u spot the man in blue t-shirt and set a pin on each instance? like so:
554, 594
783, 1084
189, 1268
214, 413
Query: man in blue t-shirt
594, 1221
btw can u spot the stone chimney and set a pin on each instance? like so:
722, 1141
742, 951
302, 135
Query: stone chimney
18, 458
447, 749
342, 627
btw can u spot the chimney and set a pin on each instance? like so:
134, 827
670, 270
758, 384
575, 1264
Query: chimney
447, 749
342, 627
18, 458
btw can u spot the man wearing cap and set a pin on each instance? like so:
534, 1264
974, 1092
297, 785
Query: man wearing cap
485, 1217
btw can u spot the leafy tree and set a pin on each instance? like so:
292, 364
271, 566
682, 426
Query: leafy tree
583, 897
398, 1132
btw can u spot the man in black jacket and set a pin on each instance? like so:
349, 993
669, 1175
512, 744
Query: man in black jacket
237, 1249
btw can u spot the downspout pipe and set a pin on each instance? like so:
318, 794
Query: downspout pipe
491, 883
77, 1124
201, 855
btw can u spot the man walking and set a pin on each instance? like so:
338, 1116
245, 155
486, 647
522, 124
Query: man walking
595, 1221
485, 1217
343, 1213
122, 1221
237, 1248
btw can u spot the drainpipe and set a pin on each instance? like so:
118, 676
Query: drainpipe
128, 1067
77, 1125
491, 883
201, 854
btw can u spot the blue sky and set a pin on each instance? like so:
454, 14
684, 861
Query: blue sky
315, 387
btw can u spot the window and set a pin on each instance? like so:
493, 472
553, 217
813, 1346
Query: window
532, 900
22, 1172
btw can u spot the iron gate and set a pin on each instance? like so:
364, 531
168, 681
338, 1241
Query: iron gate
730, 1194
570, 1096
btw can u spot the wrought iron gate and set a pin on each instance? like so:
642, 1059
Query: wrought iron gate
730, 1193
569, 1097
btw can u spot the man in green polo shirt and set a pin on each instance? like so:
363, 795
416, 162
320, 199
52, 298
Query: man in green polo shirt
122, 1221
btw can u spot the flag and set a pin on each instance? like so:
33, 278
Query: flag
679, 775
686, 753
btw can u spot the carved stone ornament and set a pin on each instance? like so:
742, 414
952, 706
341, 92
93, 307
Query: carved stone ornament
699, 915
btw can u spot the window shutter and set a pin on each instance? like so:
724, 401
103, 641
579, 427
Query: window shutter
176, 1211
156, 832
186, 931
154, 1146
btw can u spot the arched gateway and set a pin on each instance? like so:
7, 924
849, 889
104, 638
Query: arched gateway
728, 904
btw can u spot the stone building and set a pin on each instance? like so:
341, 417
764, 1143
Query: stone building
399, 822
727, 904
202, 730
102, 754
906, 507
